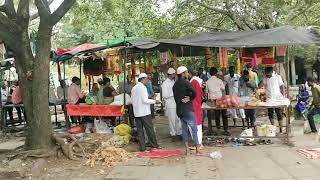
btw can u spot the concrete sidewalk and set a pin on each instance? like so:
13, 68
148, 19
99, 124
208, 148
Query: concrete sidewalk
275, 162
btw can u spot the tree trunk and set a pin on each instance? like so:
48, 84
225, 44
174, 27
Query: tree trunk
35, 92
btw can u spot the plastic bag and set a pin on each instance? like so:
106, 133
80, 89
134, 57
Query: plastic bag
216, 155
123, 132
101, 127
90, 100
246, 133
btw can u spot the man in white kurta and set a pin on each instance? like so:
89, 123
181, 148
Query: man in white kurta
232, 82
142, 112
170, 105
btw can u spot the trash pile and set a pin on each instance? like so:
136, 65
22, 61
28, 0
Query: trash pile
108, 156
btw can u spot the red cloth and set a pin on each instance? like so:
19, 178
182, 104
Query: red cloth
159, 153
310, 153
82, 47
197, 101
16, 96
94, 110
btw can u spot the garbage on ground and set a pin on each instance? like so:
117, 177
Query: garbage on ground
247, 133
114, 141
266, 130
76, 130
108, 156
216, 155
101, 127
123, 131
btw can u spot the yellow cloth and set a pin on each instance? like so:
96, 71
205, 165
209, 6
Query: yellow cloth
253, 76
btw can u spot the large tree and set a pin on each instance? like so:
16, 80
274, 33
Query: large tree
14, 31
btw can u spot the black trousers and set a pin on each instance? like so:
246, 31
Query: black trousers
278, 112
217, 114
250, 116
146, 123
10, 112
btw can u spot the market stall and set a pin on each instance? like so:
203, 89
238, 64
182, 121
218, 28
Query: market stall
266, 47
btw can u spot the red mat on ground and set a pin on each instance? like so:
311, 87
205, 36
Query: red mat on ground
159, 153
310, 153
94, 110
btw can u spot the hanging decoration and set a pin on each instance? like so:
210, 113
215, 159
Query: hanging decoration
209, 57
223, 57
115, 65
109, 62
93, 67
164, 57
281, 53
148, 61
239, 66
175, 61
133, 69
254, 61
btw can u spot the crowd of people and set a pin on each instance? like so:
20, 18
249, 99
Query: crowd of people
184, 97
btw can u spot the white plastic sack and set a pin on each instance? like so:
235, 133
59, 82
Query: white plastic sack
216, 155
119, 99
101, 127
246, 133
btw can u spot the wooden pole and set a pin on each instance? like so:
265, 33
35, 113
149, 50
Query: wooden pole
80, 72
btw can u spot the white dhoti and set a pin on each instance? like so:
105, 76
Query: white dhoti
199, 133
174, 122
234, 113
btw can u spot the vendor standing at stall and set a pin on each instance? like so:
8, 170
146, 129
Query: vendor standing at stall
170, 105
274, 86
74, 93
232, 83
247, 88
142, 113
197, 102
252, 75
315, 105
215, 88
184, 94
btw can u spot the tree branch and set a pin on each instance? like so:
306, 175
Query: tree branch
8, 9
8, 31
297, 14
23, 13
43, 8
221, 11
61, 11
36, 15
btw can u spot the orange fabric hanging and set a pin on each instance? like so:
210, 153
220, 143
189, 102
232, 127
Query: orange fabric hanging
133, 69
175, 61
149, 64
209, 57
223, 57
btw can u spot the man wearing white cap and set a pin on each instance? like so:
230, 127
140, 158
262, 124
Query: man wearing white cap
170, 105
184, 94
142, 112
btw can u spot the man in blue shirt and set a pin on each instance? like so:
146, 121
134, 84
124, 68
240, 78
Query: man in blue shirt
150, 93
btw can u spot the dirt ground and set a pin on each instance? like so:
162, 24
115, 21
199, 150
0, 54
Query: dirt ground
62, 168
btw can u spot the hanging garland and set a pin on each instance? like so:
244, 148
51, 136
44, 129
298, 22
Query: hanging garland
209, 57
